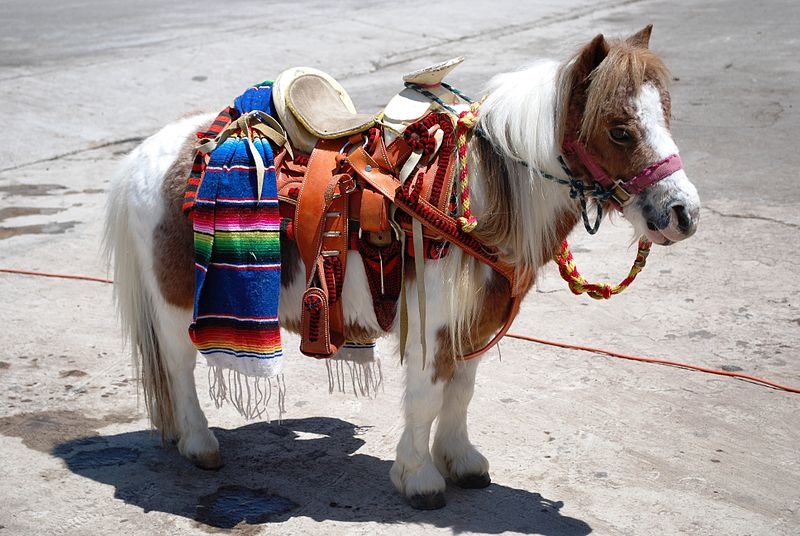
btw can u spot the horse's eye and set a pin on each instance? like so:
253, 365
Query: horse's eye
620, 135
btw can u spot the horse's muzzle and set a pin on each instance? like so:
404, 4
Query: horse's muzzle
674, 224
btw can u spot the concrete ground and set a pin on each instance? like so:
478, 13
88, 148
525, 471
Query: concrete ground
579, 443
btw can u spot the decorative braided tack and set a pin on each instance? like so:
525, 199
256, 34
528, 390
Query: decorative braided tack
466, 122
599, 291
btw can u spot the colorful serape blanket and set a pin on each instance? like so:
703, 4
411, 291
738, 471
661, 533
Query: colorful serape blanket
237, 255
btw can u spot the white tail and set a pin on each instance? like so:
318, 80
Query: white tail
135, 303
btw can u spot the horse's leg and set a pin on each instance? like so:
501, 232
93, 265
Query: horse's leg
453, 453
414, 474
195, 441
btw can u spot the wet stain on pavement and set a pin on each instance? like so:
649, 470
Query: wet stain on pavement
18, 212
232, 505
701, 334
31, 189
42, 228
72, 373
44, 430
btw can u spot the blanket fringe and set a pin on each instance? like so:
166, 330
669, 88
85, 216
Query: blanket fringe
251, 396
365, 378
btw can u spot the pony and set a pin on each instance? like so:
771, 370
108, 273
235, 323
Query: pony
611, 97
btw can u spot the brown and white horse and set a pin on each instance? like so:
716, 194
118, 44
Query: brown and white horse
612, 97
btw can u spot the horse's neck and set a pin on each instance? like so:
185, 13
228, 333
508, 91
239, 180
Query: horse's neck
521, 213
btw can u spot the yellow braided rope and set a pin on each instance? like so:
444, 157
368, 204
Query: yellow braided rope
466, 122
599, 291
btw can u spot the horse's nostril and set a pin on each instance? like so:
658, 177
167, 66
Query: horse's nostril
651, 225
685, 222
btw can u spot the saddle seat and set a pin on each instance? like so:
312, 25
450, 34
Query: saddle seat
312, 105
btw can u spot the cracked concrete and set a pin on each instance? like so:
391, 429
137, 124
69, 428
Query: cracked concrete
750, 217
578, 442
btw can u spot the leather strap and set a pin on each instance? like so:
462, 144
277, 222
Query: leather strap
369, 170
320, 225
373, 212
504, 269
516, 301
623, 190
419, 267
260, 122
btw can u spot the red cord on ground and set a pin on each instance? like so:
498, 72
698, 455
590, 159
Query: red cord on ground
60, 276
657, 361
747, 377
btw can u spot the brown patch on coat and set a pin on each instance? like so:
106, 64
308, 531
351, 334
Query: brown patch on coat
173, 239
494, 309
495, 304
495, 227
597, 91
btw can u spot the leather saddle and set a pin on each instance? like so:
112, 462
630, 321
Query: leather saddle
339, 188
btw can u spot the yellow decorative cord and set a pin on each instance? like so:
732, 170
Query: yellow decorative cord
599, 291
466, 122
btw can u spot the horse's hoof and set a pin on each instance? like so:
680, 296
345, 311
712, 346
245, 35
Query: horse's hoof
473, 481
427, 501
210, 461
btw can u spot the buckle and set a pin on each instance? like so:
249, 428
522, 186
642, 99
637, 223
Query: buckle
349, 185
622, 196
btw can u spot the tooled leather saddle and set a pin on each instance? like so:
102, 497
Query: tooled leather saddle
382, 185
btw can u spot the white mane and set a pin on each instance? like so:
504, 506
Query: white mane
516, 208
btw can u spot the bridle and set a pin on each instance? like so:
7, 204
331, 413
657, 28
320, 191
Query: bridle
618, 192
623, 190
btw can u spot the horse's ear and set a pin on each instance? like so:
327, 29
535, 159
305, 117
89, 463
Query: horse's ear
641, 38
592, 55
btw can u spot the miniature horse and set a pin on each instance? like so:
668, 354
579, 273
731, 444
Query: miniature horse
612, 96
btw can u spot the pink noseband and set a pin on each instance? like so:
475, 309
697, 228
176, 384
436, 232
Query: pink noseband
622, 191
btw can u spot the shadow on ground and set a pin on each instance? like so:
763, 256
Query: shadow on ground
304, 467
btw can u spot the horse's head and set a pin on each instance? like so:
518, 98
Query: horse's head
616, 133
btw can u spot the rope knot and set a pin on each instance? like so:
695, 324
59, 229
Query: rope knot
576, 189
469, 118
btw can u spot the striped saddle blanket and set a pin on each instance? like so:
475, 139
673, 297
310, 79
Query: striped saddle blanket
237, 249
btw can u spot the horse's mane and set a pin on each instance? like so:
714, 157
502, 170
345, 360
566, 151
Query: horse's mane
518, 138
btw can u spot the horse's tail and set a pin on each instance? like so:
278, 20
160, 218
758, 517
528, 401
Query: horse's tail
135, 303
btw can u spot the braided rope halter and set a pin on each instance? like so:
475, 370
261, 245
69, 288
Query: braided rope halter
467, 120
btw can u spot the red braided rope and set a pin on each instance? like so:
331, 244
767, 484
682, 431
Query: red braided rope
599, 291
466, 122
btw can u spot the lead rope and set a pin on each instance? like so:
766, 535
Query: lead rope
599, 291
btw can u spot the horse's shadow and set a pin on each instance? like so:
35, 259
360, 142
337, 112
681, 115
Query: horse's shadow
304, 467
